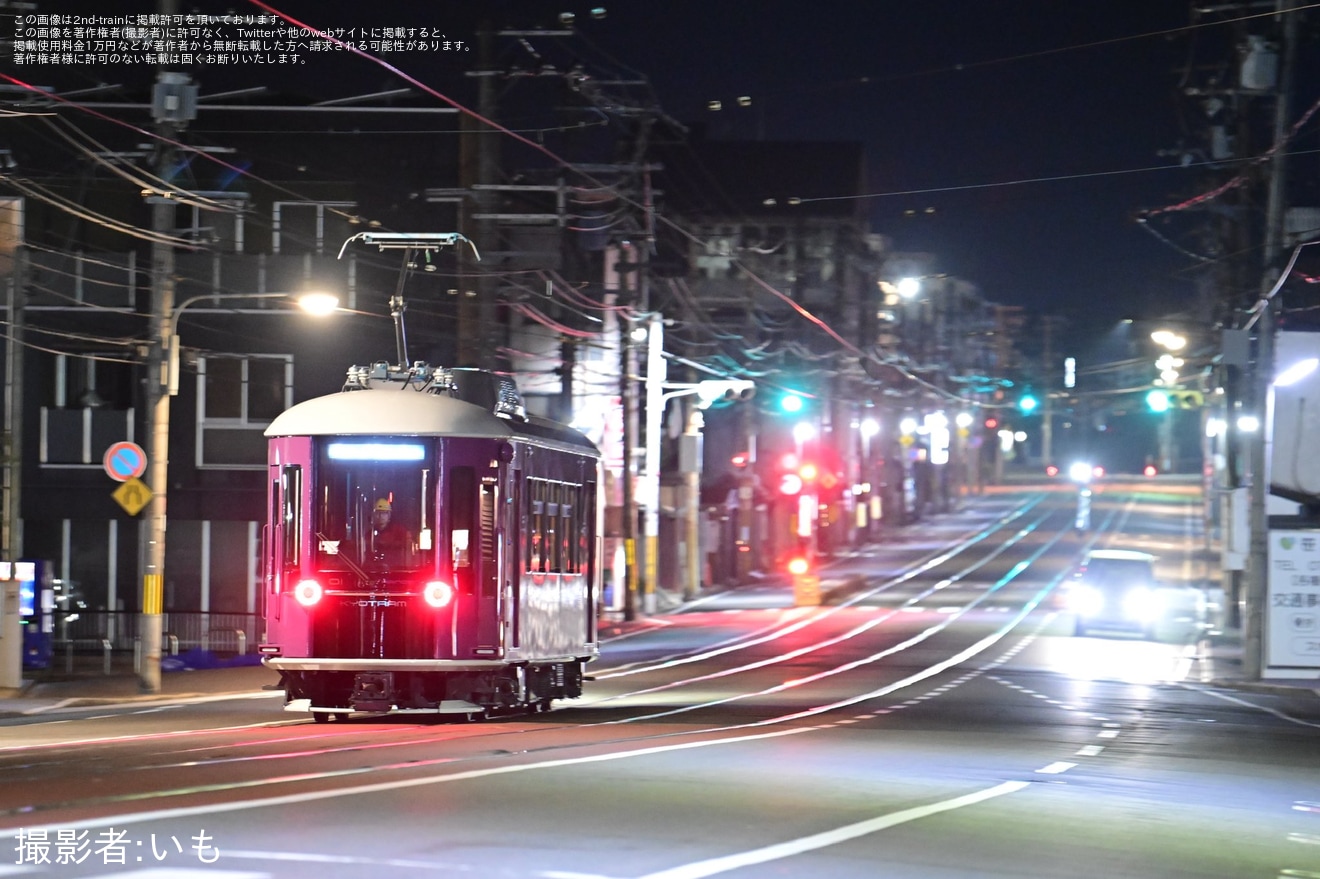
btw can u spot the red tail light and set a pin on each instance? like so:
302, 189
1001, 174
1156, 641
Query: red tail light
438, 593
1150, 470
307, 593
1051, 470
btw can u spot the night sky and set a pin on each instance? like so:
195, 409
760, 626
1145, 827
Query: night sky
1014, 139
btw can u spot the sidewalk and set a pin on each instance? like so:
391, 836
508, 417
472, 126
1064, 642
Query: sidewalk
88, 684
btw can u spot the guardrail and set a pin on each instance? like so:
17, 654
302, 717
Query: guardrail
108, 631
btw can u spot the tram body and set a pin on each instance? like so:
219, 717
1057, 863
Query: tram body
488, 602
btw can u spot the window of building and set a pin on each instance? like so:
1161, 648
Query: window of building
310, 227
88, 407
237, 398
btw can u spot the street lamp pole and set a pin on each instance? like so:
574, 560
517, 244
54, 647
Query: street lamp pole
162, 384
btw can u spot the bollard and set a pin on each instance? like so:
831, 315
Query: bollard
174, 644
137, 656
68, 657
242, 642
105, 649
806, 590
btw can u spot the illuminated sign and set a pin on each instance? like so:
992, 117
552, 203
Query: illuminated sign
377, 452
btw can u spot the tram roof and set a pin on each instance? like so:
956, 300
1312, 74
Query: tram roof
394, 411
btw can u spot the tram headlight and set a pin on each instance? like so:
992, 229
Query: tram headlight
438, 593
307, 592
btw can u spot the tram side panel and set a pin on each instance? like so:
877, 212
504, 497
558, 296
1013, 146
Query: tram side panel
558, 558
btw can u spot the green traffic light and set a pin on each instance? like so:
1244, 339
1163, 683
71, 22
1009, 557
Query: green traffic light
791, 402
1158, 401
1028, 403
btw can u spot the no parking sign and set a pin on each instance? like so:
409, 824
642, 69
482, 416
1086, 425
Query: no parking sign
124, 461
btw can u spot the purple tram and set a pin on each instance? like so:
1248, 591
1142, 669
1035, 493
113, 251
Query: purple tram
431, 548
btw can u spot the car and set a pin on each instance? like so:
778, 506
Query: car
1116, 589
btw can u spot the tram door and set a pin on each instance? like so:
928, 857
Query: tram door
474, 546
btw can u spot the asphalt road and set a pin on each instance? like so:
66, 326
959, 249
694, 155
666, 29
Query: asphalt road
934, 718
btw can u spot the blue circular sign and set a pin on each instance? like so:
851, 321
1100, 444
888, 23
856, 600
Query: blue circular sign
125, 461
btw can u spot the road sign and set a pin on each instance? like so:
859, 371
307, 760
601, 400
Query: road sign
133, 495
125, 461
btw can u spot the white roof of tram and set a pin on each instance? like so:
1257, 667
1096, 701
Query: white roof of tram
403, 411
388, 411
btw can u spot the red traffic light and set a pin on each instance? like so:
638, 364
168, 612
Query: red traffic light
1150, 470
991, 423
790, 483
798, 565
1051, 470
741, 459
796, 475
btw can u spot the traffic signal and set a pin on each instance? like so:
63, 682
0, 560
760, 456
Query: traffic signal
791, 402
1158, 401
1187, 399
1028, 403
992, 423
796, 476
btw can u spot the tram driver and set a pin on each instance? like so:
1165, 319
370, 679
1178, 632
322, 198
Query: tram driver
390, 541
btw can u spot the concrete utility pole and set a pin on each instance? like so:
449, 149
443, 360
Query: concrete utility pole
628, 401
1047, 398
174, 103
11, 542
479, 153
1253, 626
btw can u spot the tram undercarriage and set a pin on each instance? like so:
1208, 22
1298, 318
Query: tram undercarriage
516, 689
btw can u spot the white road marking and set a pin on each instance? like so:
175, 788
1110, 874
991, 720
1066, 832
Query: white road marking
714, 866
1056, 768
1091, 751
176, 873
401, 784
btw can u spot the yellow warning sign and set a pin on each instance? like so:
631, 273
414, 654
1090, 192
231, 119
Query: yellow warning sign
132, 495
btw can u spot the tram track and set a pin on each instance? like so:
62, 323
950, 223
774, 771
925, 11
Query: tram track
334, 747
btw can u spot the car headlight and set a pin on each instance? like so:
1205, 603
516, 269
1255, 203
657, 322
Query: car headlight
1086, 600
1143, 604
1080, 472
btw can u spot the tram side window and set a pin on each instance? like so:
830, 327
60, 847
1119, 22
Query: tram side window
567, 509
291, 512
536, 507
554, 517
585, 521
462, 488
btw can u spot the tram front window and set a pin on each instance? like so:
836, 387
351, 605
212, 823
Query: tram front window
372, 506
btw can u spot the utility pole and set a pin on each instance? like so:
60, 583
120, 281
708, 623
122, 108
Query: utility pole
174, 103
1253, 630
628, 402
1047, 399
11, 542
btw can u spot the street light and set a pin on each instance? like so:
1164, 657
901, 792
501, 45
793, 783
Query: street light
162, 384
319, 304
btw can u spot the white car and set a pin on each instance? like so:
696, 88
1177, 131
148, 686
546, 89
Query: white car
1116, 589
